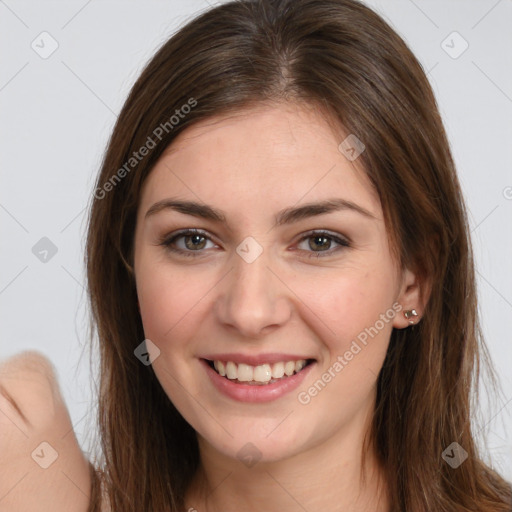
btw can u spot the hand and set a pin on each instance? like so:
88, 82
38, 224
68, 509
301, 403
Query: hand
42, 467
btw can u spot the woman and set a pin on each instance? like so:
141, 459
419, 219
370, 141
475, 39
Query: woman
239, 369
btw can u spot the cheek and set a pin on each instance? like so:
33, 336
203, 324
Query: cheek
348, 305
169, 300
355, 338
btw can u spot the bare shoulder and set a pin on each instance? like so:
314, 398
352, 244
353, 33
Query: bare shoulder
42, 466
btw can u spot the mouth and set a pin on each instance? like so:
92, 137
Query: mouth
260, 375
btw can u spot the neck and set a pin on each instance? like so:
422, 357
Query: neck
328, 476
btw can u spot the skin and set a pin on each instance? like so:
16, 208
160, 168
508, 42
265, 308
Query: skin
250, 166
35, 476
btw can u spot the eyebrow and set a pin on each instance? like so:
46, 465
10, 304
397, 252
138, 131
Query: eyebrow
286, 216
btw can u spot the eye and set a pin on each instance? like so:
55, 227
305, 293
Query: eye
323, 240
195, 240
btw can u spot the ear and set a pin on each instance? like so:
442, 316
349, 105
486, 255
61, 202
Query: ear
414, 294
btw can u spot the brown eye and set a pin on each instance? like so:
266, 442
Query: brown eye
321, 242
194, 242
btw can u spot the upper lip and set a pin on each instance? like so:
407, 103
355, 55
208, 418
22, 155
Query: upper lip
255, 359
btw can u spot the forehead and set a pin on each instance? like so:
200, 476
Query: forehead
266, 156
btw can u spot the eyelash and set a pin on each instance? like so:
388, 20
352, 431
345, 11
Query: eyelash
168, 241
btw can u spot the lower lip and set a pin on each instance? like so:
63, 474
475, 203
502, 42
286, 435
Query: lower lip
256, 393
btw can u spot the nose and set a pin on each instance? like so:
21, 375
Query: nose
253, 298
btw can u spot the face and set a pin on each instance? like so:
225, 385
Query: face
257, 290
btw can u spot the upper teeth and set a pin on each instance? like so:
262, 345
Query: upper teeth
261, 373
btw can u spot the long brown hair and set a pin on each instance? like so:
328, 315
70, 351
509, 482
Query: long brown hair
342, 57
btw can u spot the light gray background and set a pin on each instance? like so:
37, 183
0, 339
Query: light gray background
57, 114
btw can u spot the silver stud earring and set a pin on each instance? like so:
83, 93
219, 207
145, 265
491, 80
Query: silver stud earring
409, 313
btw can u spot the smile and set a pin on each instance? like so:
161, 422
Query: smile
258, 375
262, 382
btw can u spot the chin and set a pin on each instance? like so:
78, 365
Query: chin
267, 446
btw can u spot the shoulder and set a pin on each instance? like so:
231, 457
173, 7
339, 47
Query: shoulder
41, 465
